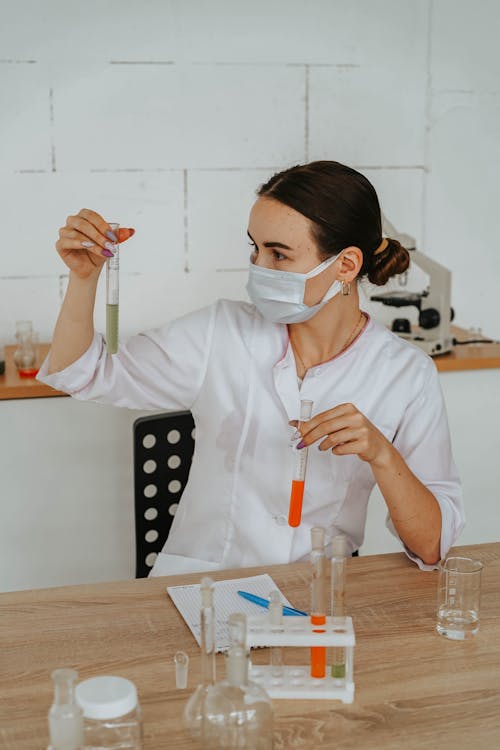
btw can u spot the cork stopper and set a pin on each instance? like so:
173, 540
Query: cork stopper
236, 666
275, 608
339, 546
207, 592
237, 624
317, 538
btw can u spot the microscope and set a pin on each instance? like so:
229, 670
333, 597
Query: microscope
432, 334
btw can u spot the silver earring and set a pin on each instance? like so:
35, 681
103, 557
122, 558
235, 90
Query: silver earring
346, 288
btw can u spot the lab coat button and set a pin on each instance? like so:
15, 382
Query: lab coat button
280, 520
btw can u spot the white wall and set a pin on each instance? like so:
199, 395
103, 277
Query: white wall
166, 115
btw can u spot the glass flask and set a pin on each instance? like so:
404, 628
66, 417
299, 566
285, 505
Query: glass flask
241, 713
25, 354
200, 702
65, 715
112, 717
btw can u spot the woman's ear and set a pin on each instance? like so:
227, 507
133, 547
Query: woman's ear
350, 263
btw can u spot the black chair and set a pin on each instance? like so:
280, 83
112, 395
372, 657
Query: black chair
163, 450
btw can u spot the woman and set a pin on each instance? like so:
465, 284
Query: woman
242, 370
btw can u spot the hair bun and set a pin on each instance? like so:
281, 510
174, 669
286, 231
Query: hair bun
392, 260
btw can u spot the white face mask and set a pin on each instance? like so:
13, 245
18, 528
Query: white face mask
279, 295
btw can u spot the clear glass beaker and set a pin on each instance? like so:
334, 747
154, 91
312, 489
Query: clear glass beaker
459, 590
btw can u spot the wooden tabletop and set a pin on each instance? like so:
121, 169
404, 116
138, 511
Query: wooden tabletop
12, 385
414, 688
468, 356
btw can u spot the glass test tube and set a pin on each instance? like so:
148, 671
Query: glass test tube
299, 474
338, 569
276, 622
112, 296
207, 621
318, 598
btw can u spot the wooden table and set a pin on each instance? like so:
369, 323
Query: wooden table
481, 356
414, 688
12, 385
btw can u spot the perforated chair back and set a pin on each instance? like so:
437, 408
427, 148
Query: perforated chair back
163, 450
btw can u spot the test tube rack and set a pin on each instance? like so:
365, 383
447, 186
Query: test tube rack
295, 681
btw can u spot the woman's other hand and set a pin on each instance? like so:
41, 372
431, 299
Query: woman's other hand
86, 242
346, 431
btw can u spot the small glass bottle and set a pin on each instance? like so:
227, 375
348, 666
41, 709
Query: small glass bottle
25, 354
112, 717
65, 715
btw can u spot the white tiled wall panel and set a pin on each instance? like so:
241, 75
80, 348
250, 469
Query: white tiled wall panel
320, 31
400, 194
219, 207
367, 116
465, 54
150, 117
25, 141
29, 298
462, 203
40, 203
69, 30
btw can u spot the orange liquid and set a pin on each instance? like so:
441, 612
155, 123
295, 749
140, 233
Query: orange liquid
28, 372
318, 653
296, 497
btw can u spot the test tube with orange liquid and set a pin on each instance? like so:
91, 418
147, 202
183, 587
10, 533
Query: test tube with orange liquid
318, 598
299, 474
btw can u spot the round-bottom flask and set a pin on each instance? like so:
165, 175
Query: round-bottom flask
241, 714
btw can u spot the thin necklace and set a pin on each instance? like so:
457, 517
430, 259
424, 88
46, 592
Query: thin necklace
350, 338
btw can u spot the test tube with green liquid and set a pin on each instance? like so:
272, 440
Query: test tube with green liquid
338, 581
112, 296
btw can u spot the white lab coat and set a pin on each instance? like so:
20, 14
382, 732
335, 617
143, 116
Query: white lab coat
236, 373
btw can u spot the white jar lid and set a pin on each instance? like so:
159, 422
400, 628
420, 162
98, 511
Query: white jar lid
106, 697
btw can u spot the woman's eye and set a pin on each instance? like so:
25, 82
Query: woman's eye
278, 256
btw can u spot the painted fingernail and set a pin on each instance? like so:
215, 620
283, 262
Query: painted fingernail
85, 243
112, 236
109, 246
107, 254
301, 445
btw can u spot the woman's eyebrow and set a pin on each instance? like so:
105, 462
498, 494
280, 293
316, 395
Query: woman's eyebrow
272, 244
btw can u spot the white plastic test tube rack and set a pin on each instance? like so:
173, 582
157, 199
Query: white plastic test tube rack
295, 681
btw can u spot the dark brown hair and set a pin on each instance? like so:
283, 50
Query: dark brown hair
344, 209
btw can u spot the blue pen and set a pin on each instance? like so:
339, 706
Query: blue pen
265, 603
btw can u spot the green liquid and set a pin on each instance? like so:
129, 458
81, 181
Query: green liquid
338, 671
112, 329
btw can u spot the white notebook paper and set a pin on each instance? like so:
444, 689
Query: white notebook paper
187, 599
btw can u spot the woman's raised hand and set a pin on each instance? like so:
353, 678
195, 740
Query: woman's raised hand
86, 241
346, 431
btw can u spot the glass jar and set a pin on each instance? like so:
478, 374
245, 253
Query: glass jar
112, 717
25, 355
